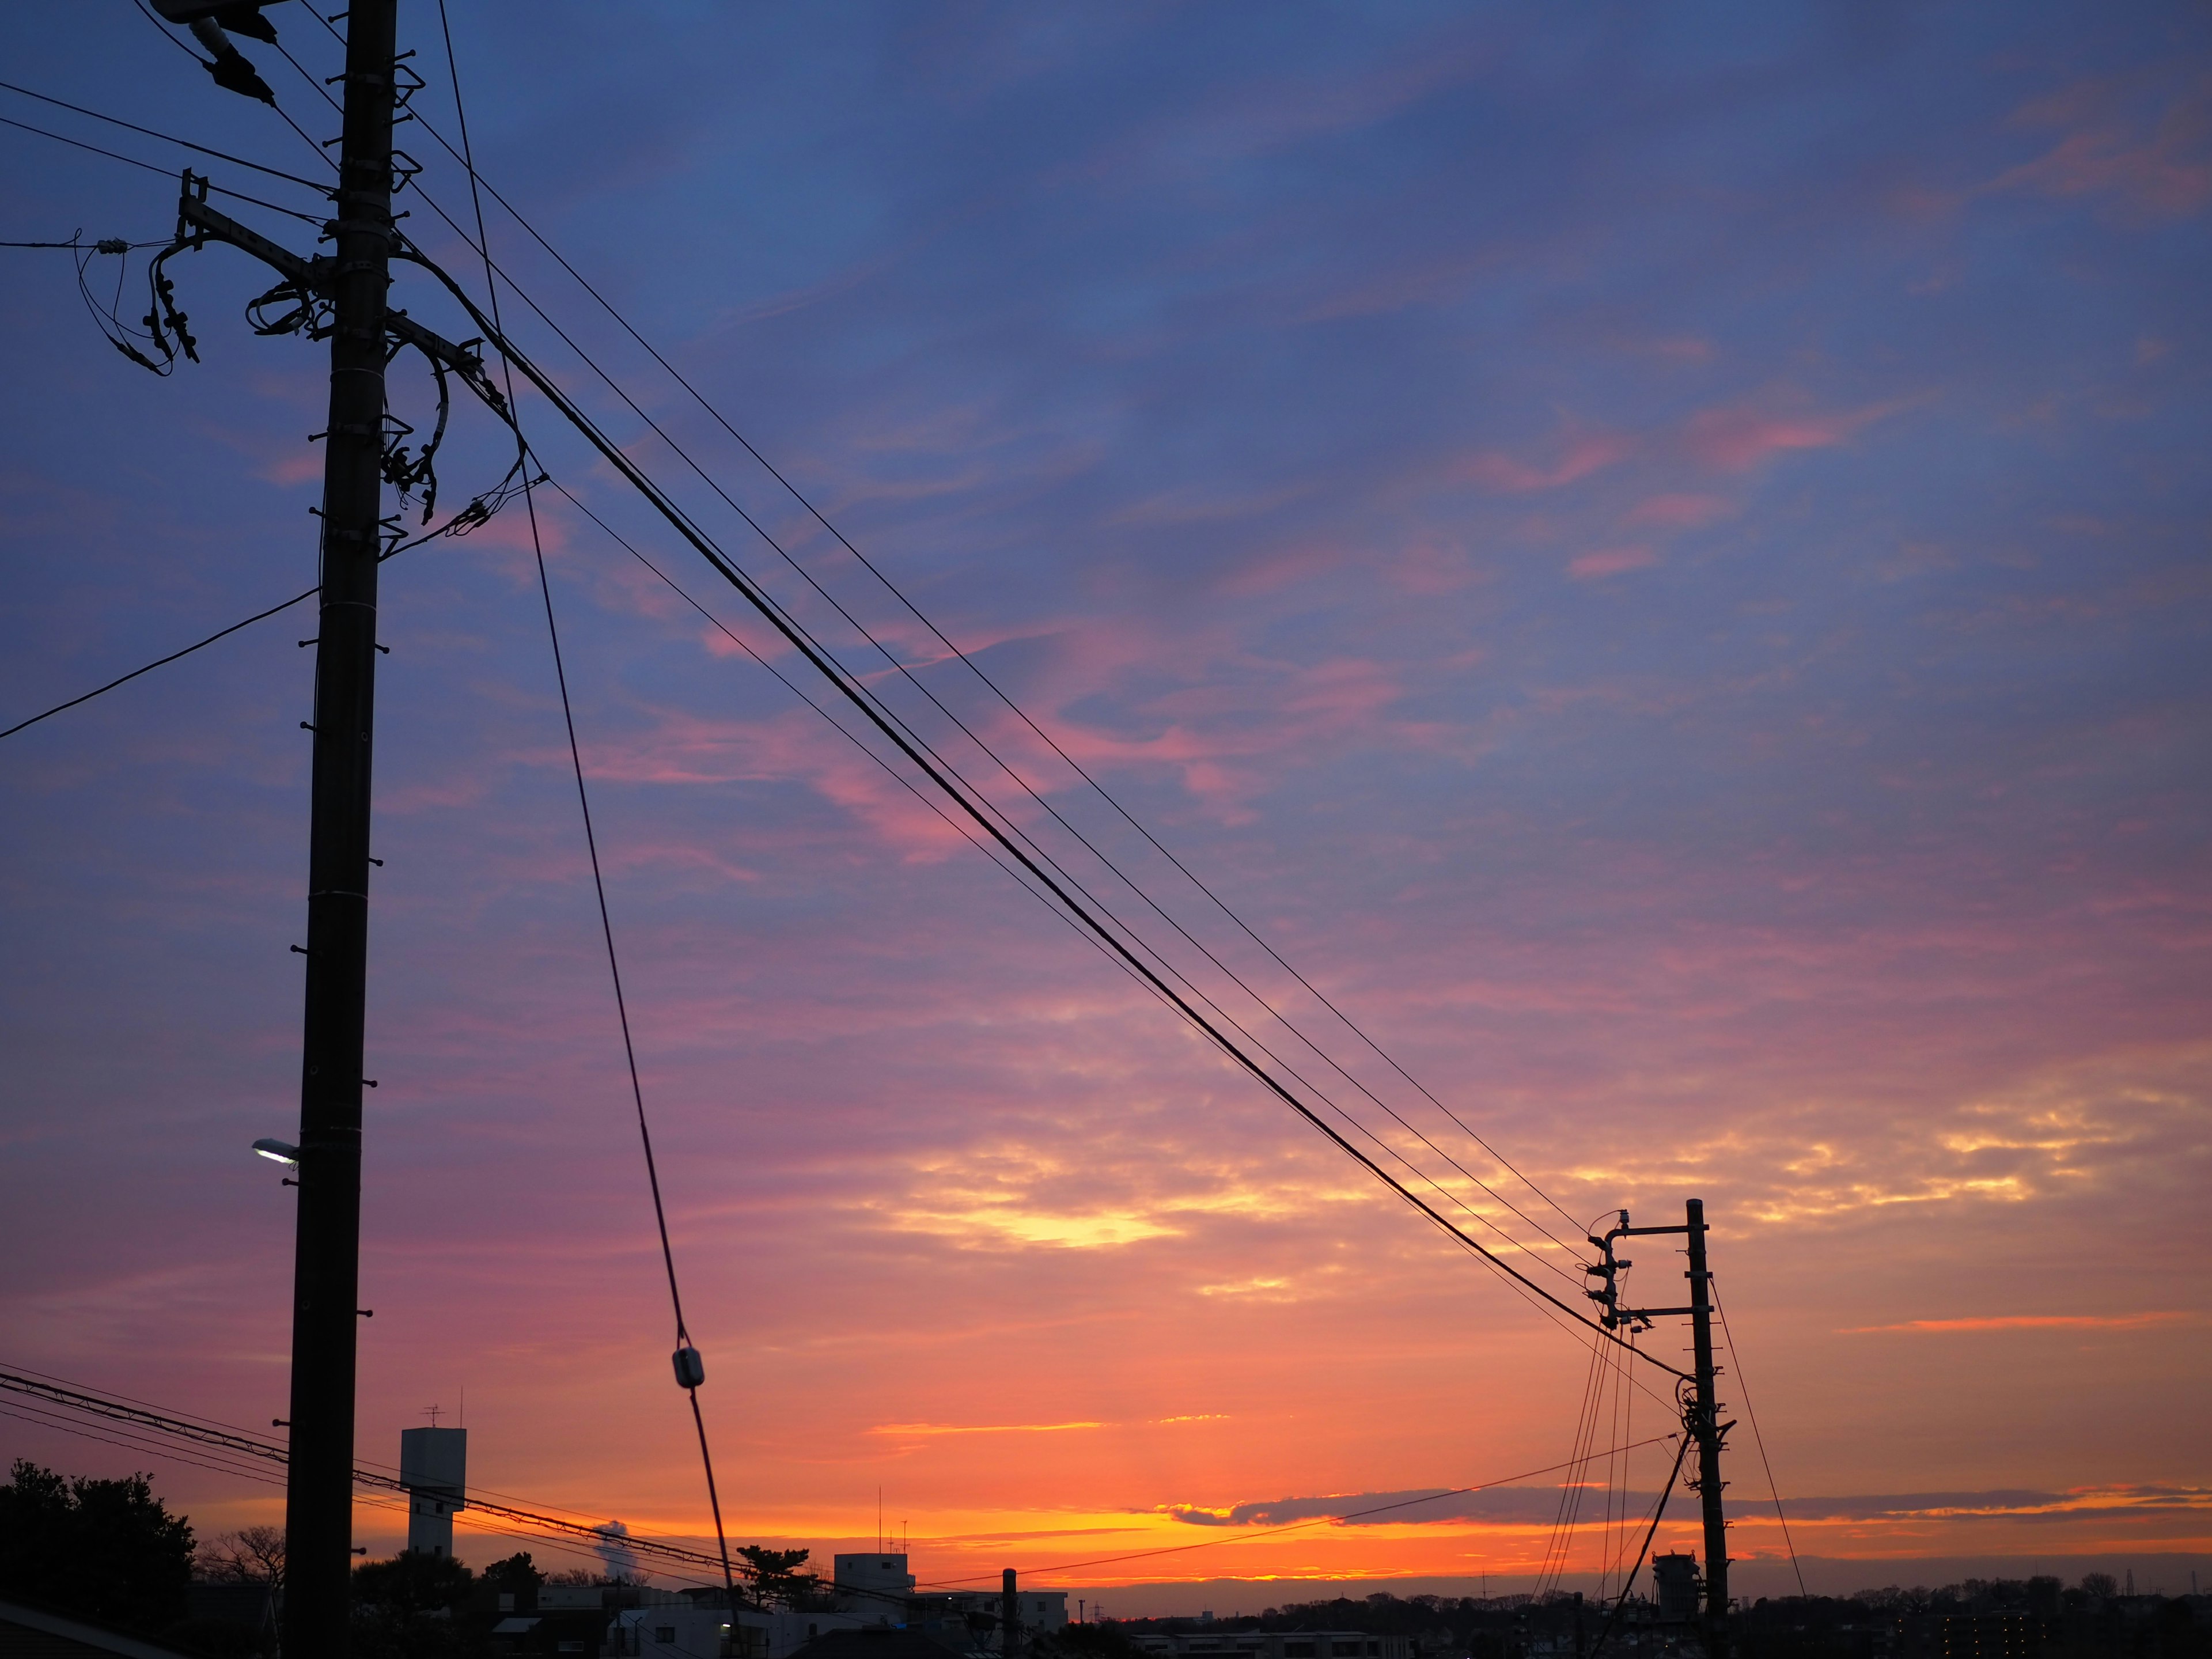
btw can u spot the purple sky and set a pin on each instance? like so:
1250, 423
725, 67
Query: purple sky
1659, 557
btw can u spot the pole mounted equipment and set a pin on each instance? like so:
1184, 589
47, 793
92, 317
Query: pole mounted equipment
212, 26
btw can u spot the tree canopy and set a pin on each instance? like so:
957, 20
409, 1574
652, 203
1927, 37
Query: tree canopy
107, 1550
774, 1577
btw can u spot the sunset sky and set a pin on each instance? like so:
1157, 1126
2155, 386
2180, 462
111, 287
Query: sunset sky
1657, 555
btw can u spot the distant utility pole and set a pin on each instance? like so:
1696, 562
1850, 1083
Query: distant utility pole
326, 1271
1701, 1410
1010, 1618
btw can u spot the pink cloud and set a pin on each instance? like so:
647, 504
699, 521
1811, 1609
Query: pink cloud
304, 467
1433, 566
1681, 348
1610, 561
2168, 173
1591, 453
1281, 569
1737, 439
1683, 512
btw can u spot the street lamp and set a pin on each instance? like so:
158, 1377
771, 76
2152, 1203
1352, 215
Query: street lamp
278, 1151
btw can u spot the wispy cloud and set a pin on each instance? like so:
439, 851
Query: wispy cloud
2131, 1322
928, 1430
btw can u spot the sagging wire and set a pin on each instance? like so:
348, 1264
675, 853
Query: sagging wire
1658, 1510
477, 514
107, 313
690, 1369
1736, 1362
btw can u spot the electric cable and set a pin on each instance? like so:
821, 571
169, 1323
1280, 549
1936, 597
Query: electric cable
148, 166
167, 138
796, 495
1089, 846
684, 1344
1757, 1439
757, 656
854, 692
134, 1421
1560, 1545
1657, 1510
1011, 824
448, 527
19, 1376
1272, 1532
890, 771
478, 246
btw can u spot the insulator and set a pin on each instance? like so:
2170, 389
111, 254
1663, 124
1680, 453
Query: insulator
690, 1369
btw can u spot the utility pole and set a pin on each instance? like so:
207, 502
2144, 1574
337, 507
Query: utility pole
1010, 1618
1701, 1411
326, 1270
1708, 1428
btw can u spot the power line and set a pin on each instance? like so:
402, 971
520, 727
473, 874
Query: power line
853, 691
975, 668
459, 523
888, 723
1010, 823
1657, 1510
689, 1376
851, 737
260, 1456
1293, 1526
479, 245
1544, 1307
158, 662
1758, 1439
148, 166
166, 137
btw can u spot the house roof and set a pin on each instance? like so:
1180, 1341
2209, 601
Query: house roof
871, 1642
70, 1638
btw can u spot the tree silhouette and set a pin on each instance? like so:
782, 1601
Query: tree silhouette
106, 1549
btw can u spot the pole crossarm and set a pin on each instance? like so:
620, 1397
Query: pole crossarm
318, 276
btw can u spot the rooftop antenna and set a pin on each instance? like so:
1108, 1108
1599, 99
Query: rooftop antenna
433, 1412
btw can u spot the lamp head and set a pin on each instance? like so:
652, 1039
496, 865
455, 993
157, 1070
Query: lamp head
278, 1151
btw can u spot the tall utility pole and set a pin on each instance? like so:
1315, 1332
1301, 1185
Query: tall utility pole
1708, 1428
1701, 1411
326, 1271
1009, 1617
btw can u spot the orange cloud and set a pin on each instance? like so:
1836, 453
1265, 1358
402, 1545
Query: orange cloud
2032, 1321
911, 1429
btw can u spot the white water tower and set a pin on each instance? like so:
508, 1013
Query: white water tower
434, 1466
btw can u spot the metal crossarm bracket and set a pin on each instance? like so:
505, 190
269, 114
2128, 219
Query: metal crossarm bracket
316, 276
